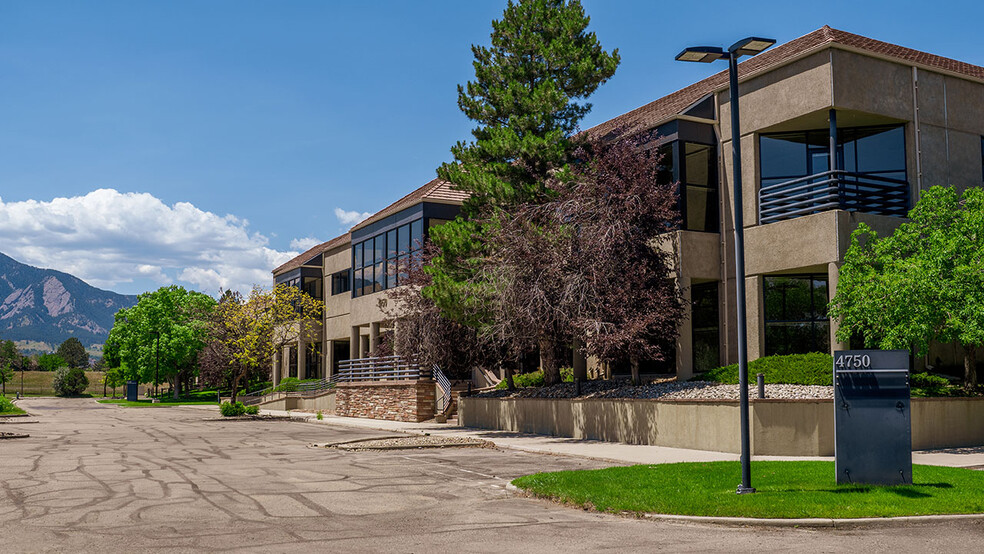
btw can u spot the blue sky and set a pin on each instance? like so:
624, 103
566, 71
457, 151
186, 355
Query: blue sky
144, 143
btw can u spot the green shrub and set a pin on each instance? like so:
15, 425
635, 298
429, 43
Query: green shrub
69, 381
926, 384
6, 405
320, 417
229, 409
251, 410
793, 369
287, 384
535, 378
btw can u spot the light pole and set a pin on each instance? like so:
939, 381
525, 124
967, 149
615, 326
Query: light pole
157, 362
706, 54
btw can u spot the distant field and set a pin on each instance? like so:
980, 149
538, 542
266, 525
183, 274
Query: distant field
37, 347
38, 383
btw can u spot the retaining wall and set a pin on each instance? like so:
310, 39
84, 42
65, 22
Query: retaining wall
323, 402
392, 400
779, 427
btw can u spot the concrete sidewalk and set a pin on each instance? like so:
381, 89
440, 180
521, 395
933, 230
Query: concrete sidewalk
972, 457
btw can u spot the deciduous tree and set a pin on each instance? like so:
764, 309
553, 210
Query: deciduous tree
246, 333
171, 323
923, 283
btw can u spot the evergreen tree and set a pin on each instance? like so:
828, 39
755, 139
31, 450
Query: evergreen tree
73, 353
525, 98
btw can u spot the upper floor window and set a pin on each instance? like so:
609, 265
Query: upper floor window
340, 282
313, 286
694, 166
376, 261
878, 151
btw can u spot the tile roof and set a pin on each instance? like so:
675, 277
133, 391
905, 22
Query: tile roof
435, 191
299, 260
659, 111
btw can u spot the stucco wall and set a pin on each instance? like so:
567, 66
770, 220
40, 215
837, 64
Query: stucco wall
779, 427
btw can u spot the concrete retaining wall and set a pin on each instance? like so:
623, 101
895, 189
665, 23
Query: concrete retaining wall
779, 427
323, 402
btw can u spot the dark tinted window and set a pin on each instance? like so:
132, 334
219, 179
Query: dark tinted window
796, 314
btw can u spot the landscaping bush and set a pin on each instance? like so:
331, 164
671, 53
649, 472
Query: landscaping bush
287, 384
926, 384
69, 381
793, 369
6, 405
229, 409
535, 378
251, 410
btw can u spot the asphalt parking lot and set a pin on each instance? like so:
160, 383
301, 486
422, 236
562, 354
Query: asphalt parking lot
102, 478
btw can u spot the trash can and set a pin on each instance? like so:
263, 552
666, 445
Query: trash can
131, 391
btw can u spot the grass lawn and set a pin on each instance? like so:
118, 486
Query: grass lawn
785, 490
38, 383
8, 408
165, 402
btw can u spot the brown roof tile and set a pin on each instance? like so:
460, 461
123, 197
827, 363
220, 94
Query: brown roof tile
434, 191
660, 110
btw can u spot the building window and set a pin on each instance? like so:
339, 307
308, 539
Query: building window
313, 286
340, 282
292, 362
982, 158
704, 319
796, 314
377, 261
698, 182
876, 151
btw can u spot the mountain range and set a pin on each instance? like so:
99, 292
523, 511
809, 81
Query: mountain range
48, 306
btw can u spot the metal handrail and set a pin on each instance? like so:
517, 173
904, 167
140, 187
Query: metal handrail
847, 190
444, 403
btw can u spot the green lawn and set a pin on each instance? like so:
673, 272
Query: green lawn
164, 403
38, 383
8, 408
785, 490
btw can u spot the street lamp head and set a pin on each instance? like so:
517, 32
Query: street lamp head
750, 46
703, 54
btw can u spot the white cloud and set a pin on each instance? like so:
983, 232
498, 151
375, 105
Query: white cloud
304, 243
108, 238
350, 217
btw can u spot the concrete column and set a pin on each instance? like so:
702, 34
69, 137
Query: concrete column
302, 348
277, 369
354, 342
755, 317
329, 357
685, 336
832, 275
373, 336
285, 364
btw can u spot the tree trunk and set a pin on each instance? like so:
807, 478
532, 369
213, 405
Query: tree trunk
235, 390
970, 368
176, 391
548, 362
635, 370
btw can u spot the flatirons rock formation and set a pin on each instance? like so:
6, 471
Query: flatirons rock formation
49, 306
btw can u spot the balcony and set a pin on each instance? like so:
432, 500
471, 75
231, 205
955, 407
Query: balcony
833, 190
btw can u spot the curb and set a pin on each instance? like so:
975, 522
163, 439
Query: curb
887, 522
829, 523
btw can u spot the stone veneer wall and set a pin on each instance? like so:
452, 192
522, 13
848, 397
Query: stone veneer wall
393, 400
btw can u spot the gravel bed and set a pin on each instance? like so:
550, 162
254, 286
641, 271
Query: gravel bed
663, 390
413, 441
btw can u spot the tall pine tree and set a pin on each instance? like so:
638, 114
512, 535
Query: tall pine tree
526, 98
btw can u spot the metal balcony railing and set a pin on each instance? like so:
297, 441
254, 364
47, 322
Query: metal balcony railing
834, 190
379, 369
